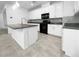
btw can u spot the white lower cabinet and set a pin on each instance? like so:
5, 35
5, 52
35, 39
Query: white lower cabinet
32, 35
58, 30
51, 29
25, 37
70, 42
55, 29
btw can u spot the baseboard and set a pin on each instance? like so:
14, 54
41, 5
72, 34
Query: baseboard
55, 36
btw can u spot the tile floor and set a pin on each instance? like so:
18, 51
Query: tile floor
46, 46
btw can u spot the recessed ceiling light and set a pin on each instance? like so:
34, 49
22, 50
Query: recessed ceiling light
32, 4
16, 5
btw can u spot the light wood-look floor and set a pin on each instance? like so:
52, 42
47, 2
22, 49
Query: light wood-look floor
46, 46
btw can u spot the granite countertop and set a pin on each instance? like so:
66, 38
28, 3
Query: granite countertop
71, 28
48, 23
35, 22
71, 25
20, 26
60, 23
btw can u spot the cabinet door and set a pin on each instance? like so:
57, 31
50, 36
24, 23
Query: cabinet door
58, 30
55, 30
52, 11
33, 35
68, 8
51, 29
59, 9
70, 42
76, 5
35, 14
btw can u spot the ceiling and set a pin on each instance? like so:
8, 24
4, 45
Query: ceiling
3, 3
29, 5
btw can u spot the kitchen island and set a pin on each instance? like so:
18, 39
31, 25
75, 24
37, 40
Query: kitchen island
25, 35
70, 39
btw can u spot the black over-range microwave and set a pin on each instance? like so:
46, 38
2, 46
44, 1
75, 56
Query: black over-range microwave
45, 16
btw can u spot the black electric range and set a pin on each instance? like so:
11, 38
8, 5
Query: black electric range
44, 27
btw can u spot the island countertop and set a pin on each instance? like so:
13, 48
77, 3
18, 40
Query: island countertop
20, 26
71, 26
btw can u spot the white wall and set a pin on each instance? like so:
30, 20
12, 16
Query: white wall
4, 18
16, 15
36, 14
1, 22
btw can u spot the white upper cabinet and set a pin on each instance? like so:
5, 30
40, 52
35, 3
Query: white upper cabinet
52, 11
35, 14
68, 8
49, 9
59, 9
76, 5
55, 10
45, 8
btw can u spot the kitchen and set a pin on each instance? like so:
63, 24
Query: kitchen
52, 23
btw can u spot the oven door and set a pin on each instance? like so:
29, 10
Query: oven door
43, 28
